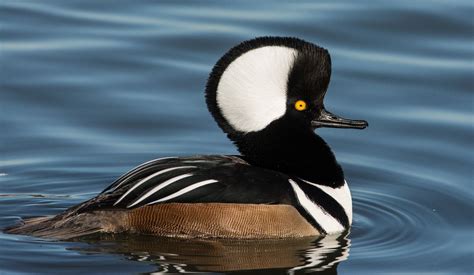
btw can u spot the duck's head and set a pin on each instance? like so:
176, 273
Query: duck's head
263, 81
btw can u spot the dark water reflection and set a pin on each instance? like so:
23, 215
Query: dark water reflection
90, 89
236, 256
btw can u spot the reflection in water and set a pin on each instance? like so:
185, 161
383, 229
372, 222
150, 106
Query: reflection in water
314, 254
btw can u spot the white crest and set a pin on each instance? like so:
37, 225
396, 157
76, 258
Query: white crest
252, 90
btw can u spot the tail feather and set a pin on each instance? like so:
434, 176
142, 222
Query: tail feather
71, 225
51, 228
86, 218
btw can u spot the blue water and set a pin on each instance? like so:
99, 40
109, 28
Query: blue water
90, 89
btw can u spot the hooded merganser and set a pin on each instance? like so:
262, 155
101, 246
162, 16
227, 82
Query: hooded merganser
267, 95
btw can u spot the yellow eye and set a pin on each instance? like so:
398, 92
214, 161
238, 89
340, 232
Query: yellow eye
300, 105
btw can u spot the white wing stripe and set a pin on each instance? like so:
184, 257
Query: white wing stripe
153, 160
326, 221
141, 165
185, 190
159, 187
148, 178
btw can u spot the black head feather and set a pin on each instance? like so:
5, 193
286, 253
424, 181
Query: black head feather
312, 62
289, 143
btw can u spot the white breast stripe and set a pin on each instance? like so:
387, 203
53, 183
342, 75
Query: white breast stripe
150, 177
159, 187
342, 195
185, 190
326, 221
143, 164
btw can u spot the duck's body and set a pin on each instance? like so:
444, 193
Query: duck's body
287, 183
205, 196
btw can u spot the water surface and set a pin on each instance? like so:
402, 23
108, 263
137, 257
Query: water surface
90, 89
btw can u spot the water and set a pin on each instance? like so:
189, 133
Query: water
89, 89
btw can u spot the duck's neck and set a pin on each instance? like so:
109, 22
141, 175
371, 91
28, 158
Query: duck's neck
297, 151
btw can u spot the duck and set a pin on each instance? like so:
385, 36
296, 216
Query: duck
267, 95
